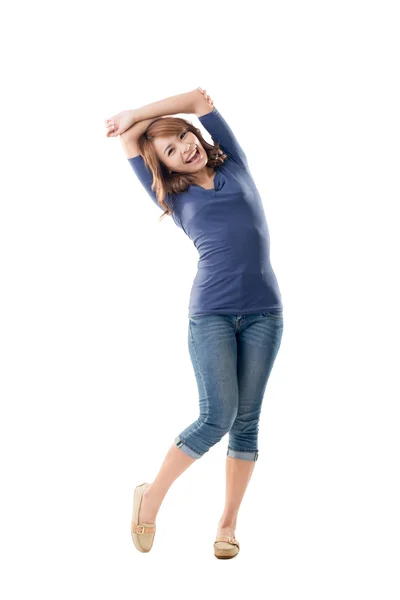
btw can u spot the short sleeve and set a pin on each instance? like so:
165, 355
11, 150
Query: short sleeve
221, 133
145, 177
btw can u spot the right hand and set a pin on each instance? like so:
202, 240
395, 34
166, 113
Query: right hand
119, 123
206, 96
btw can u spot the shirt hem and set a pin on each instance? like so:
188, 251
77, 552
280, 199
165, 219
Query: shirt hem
224, 311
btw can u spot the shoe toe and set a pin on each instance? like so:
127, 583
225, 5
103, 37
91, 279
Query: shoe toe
224, 549
144, 541
223, 546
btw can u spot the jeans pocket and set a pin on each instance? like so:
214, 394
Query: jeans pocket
277, 314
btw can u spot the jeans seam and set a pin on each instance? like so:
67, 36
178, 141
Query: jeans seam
198, 368
272, 316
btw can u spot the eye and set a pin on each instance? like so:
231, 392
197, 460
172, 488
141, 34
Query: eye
183, 133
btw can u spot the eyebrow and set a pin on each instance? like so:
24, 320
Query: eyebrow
169, 145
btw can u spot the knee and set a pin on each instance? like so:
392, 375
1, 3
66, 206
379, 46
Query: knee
241, 425
222, 424
227, 422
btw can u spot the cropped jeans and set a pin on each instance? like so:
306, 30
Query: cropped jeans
232, 357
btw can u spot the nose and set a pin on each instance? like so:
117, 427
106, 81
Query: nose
186, 152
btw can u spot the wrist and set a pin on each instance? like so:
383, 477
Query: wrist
133, 116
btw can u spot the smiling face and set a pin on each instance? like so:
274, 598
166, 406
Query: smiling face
175, 150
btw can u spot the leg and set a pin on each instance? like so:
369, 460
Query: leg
238, 474
213, 352
175, 463
212, 348
258, 344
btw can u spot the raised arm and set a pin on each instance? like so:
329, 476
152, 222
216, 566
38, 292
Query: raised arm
197, 102
194, 102
129, 139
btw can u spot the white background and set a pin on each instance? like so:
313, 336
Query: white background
96, 379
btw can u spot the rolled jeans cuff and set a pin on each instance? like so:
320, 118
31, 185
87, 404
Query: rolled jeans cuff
244, 455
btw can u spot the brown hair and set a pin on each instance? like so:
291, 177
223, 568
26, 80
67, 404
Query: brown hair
164, 182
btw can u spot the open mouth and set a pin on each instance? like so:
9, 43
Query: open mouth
195, 157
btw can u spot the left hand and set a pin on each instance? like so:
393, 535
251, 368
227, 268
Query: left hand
119, 123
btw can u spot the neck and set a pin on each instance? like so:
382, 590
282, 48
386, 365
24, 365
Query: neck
205, 175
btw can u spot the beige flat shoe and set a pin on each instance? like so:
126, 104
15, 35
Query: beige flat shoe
142, 533
226, 547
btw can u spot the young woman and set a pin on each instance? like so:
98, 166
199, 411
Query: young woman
235, 311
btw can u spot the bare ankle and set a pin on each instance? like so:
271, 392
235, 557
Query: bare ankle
225, 522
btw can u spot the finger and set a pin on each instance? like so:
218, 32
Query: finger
110, 130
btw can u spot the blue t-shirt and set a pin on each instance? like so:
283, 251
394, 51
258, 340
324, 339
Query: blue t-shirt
228, 227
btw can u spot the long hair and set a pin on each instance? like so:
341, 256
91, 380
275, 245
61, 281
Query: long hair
164, 182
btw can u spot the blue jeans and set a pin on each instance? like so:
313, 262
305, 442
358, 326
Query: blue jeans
232, 357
